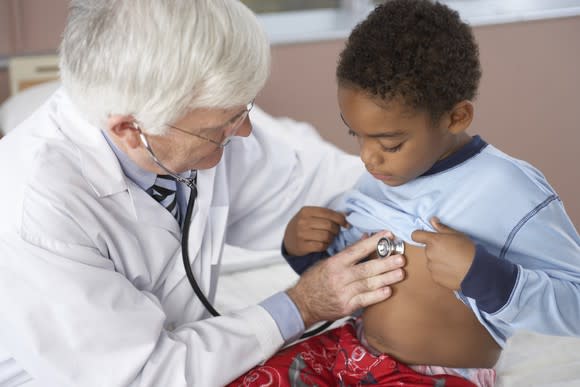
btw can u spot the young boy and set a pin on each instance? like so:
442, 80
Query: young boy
406, 80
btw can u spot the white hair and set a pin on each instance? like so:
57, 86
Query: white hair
159, 59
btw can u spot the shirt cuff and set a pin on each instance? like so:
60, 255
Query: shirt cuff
285, 314
489, 281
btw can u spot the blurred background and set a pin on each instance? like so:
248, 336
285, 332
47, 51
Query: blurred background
263, 6
529, 99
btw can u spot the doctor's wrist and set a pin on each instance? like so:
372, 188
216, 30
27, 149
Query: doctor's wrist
301, 303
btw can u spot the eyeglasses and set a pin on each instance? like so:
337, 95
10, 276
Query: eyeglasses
229, 129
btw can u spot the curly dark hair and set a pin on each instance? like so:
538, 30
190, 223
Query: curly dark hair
416, 50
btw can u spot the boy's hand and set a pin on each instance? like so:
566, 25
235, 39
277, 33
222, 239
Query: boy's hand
449, 254
312, 229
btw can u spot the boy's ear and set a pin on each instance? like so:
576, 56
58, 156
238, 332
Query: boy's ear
460, 117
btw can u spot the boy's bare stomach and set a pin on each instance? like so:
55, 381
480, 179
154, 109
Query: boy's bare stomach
424, 323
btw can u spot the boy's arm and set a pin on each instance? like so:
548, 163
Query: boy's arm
308, 235
533, 284
301, 263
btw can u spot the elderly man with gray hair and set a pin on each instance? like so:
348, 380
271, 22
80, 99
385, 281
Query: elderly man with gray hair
102, 180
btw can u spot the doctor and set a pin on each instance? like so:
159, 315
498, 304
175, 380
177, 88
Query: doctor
93, 203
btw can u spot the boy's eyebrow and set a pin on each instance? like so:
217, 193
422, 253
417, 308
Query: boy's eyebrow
395, 133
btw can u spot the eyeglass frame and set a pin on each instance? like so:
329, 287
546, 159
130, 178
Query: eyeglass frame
241, 116
190, 181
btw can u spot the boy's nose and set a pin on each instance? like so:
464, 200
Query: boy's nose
370, 157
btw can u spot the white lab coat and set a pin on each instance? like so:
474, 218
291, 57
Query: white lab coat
92, 288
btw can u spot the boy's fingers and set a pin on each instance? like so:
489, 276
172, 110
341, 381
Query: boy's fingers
320, 236
440, 227
422, 236
316, 246
328, 214
326, 225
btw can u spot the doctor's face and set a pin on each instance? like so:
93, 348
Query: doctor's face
197, 140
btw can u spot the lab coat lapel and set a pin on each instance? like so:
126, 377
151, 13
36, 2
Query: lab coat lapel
148, 211
100, 167
199, 218
102, 170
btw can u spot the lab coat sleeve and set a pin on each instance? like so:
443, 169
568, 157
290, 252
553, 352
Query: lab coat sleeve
82, 304
283, 166
70, 320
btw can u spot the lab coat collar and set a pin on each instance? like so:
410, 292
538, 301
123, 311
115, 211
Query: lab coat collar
99, 164
104, 174
101, 168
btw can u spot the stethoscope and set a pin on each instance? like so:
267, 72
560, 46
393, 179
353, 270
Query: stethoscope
385, 247
191, 182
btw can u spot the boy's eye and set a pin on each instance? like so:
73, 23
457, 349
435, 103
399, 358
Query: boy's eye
393, 149
385, 148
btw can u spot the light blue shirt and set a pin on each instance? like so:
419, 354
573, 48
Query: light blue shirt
526, 272
279, 305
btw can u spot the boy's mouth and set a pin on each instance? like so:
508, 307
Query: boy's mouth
382, 177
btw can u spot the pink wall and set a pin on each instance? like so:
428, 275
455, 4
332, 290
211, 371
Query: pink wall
528, 105
29, 26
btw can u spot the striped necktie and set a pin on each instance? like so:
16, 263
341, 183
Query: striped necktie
164, 191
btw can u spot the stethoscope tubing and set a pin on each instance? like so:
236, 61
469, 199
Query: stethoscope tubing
191, 278
185, 254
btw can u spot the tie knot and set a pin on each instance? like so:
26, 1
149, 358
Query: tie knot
164, 191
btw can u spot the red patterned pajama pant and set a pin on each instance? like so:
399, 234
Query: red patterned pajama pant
338, 358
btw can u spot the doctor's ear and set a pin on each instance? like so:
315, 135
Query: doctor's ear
124, 129
460, 117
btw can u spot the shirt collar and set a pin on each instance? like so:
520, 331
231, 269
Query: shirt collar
466, 152
138, 175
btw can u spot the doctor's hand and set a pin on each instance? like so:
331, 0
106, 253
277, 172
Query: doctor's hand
312, 230
449, 254
337, 287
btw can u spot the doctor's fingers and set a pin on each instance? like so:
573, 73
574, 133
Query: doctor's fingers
369, 290
378, 275
360, 250
375, 273
368, 298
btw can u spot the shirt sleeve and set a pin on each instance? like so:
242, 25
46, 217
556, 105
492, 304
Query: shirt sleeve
301, 263
286, 314
490, 280
534, 283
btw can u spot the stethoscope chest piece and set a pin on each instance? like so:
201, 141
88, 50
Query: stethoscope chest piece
387, 247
